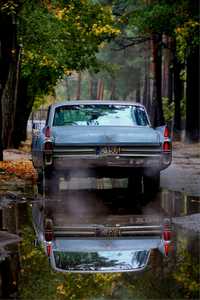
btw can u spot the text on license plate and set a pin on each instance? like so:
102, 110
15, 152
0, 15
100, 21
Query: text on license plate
110, 150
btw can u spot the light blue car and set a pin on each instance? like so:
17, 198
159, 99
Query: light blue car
106, 137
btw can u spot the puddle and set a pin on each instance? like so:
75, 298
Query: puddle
24, 262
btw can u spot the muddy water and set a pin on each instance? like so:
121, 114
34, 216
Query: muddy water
25, 272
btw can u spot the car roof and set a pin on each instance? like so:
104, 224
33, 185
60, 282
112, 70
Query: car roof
97, 102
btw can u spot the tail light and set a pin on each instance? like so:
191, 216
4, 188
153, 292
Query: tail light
49, 249
48, 153
166, 146
166, 132
47, 132
166, 235
167, 230
166, 249
48, 235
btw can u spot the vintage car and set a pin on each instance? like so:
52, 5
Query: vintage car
101, 248
109, 137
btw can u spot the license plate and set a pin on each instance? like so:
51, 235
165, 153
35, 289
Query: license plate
108, 232
110, 150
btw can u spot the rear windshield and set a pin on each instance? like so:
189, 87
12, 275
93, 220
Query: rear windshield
101, 260
100, 115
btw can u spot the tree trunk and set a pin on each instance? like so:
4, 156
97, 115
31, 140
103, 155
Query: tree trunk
146, 91
192, 85
113, 89
67, 89
157, 116
9, 92
78, 92
178, 95
167, 78
93, 87
7, 53
138, 88
23, 110
1, 139
165, 71
100, 91
193, 97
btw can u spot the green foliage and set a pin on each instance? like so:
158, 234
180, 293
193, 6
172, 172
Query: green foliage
187, 274
164, 278
58, 37
187, 37
168, 109
37, 280
8, 6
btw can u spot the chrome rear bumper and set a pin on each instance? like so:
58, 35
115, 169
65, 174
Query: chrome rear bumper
116, 161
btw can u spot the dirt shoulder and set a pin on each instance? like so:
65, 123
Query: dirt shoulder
17, 173
184, 173
191, 222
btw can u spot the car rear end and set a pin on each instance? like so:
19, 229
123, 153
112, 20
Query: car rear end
103, 141
97, 248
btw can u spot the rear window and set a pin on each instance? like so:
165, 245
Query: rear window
100, 115
101, 260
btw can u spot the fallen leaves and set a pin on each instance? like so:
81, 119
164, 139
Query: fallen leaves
20, 168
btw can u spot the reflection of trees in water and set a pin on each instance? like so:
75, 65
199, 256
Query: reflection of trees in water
188, 264
82, 261
99, 260
174, 277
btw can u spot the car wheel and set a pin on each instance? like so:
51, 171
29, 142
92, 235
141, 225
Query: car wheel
151, 183
52, 184
40, 181
135, 184
49, 172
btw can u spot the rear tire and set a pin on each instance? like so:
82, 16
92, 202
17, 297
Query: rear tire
51, 182
40, 181
151, 183
135, 184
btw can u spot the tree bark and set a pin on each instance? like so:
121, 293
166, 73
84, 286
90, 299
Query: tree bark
9, 90
9, 98
138, 88
178, 95
23, 110
113, 89
193, 96
100, 90
78, 92
167, 78
93, 88
192, 85
6, 46
157, 116
146, 91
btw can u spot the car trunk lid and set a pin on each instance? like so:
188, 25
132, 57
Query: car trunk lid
105, 135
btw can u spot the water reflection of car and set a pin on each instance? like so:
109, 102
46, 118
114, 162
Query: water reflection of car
115, 136
100, 248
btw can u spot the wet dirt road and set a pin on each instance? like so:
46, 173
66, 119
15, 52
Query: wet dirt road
106, 201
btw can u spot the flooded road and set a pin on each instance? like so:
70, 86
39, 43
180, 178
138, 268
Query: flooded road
104, 206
